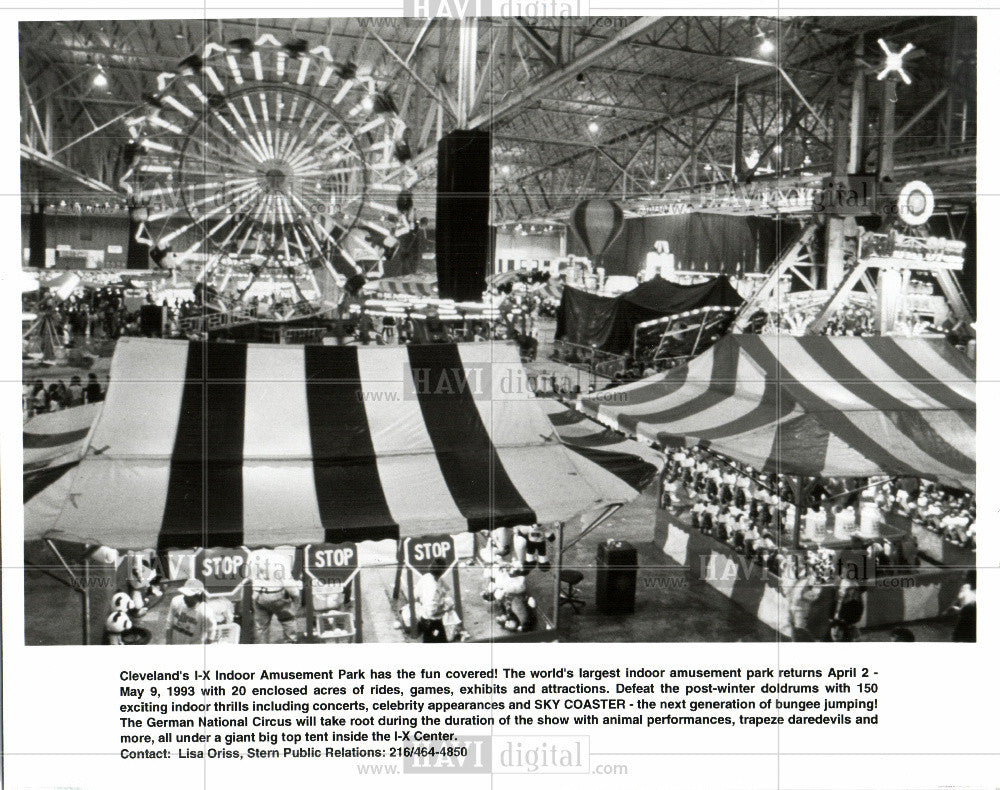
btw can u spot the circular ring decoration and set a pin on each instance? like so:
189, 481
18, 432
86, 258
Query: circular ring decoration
259, 148
916, 203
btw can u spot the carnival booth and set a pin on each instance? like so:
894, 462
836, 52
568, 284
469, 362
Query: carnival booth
204, 454
811, 409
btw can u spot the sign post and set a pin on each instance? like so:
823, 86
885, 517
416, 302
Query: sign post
223, 571
419, 555
332, 563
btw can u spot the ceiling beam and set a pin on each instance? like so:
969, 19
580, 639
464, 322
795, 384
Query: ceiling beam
36, 157
549, 82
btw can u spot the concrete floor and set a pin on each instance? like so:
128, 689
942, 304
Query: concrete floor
670, 606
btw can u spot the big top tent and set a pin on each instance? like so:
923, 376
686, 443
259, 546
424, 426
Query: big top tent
244, 444
816, 406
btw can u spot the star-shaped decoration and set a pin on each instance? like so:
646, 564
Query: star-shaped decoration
894, 62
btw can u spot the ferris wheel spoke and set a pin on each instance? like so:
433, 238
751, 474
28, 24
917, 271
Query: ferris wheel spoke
319, 226
194, 223
265, 122
205, 237
290, 139
268, 153
248, 156
210, 152
251, 190
300, 140
248, 142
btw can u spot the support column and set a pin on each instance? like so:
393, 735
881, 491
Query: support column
890, 291
468, 44
835, 224
738, 163
887, 130
858, 108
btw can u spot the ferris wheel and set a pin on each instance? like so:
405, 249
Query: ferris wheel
258, 149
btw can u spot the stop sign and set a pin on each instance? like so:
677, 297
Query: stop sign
331, 563
222, 571
420, 553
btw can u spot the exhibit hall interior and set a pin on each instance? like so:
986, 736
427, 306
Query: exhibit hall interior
575, 329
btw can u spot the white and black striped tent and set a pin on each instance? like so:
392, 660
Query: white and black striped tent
817, 406
243, 444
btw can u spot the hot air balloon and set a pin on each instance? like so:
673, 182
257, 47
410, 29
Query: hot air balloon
598, 223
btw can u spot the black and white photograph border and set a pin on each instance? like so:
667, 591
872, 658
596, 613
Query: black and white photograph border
526, 329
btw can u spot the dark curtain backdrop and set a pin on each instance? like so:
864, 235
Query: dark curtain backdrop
699, 242
609, 323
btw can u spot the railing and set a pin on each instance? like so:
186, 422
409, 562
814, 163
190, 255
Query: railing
211, 321
595, 361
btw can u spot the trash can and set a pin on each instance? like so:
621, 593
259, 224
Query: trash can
617, 562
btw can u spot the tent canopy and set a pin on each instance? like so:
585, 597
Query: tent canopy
58, 437
818, 406
244, 444
608, 323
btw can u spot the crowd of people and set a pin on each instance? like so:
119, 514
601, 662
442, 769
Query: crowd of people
755, 513
39, 398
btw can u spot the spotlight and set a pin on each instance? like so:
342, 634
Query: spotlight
505, 170
100, 79
367, 103
766, 47
594, 127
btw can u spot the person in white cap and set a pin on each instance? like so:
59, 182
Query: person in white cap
188, 621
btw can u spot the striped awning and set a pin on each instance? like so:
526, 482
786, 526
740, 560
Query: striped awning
58, 437
404, 286
244, 444
819, 406
634, 464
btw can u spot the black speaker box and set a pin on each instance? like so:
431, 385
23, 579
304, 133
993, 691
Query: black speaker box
463, 235
36, 237
152, 318
617, 563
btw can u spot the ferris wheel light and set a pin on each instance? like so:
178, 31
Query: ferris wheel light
344, 90
178, 106
234, 69
214, 79
303, 72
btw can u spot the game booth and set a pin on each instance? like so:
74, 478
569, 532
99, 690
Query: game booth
818, 411
343, 473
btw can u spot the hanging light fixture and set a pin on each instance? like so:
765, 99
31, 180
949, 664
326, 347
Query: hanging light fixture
100, 80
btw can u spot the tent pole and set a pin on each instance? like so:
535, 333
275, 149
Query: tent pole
609, 511
558, 573
358, 625
86, 601
799, 503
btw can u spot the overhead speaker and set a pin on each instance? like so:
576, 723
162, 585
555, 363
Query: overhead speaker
463, 235
36, 237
